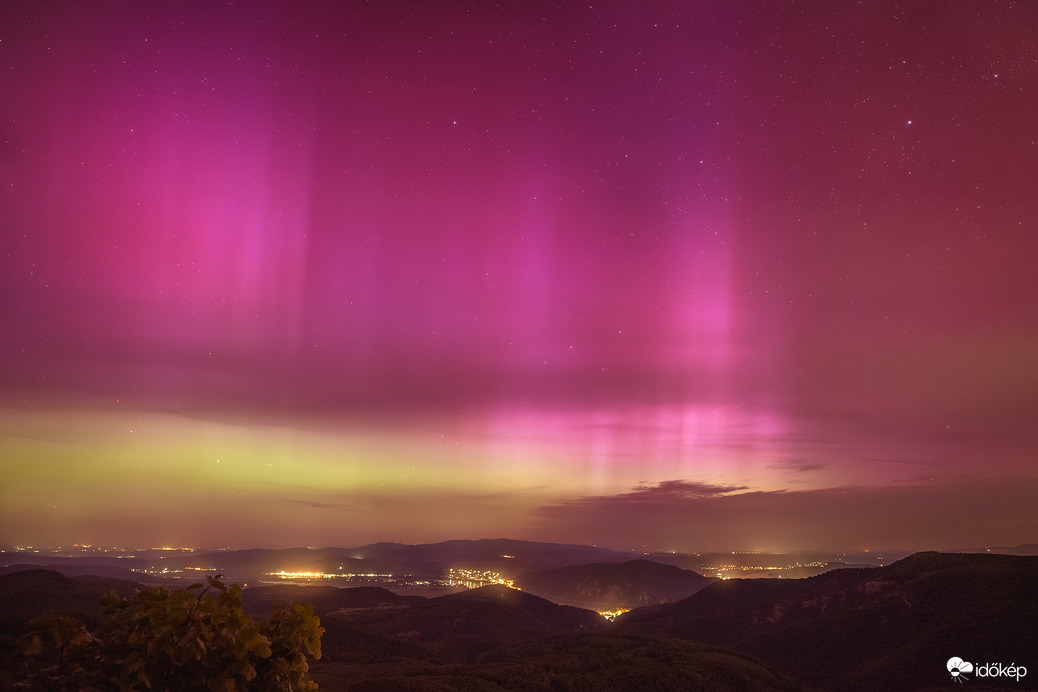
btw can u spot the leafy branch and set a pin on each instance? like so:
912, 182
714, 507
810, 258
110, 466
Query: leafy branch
162, 639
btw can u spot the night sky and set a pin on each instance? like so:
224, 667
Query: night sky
690, 275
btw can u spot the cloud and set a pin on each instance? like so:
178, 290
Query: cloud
798, 466
944, 514
664, 492
312, 504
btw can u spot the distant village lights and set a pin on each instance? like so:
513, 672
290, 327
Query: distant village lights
285, 574
474, 578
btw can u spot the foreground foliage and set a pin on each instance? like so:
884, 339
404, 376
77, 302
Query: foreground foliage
182, 639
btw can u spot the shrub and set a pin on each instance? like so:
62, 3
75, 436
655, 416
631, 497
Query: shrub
195, 638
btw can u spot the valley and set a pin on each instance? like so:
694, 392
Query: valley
890, 628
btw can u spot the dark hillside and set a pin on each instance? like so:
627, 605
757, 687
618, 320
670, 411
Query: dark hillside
575, 662
607, 586
76, 568
888, 627
235, 563
509, 556
34, 592
471, 622
259, 600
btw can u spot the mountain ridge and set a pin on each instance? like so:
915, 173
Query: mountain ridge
890, 627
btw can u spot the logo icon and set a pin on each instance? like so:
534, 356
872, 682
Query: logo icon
958, 668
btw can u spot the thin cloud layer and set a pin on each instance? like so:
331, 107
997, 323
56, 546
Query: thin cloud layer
662, 493
675, 515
